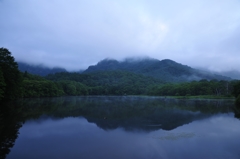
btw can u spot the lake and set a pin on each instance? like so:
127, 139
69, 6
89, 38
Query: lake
125, 127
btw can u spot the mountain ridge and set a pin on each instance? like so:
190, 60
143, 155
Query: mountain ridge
165, 70
40, 70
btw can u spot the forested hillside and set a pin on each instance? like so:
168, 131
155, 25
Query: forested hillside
36, 86
110, 82
111, 77
127, 83
165, 70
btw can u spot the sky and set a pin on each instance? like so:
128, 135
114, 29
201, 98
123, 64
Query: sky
74, 34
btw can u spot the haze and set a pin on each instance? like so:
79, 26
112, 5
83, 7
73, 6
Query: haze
75, 34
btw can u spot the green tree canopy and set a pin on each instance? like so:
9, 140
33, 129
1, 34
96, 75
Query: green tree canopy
2, 85
11, 75
236, 89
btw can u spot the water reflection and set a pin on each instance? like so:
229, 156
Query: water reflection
145, 113
10, 122
77, 138
120, 127
237, 112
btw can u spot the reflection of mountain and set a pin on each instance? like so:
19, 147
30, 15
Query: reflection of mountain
154, 114
129, 113
158, 119
145, 113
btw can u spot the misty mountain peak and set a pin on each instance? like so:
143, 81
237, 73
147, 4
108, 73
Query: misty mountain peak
108, 61
41, 70
168, 61
166, 70
139, 59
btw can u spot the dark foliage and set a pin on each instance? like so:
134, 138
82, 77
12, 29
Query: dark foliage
2, 85
110, 82
10, 76
236, 89
238, 101
36, 86
194, 88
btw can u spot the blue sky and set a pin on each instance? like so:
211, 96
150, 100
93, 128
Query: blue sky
75, 34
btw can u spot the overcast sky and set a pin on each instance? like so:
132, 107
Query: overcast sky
77, 33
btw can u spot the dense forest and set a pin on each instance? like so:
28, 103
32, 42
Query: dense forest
94, 81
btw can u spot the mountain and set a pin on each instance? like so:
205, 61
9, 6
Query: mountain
165, 70
38, 69
233, 74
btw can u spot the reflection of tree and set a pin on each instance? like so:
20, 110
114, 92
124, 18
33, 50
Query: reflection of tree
10, 122
13, 114
237, 112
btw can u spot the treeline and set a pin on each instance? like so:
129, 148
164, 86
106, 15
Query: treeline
126, 83
110, 82
36, 86
196, 88
100, 83
14, 84
236, 93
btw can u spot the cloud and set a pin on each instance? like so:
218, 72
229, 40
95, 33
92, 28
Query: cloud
76, 33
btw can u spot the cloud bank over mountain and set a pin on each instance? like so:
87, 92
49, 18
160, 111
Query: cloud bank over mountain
75, 34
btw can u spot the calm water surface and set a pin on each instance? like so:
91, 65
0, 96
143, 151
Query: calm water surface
121, 128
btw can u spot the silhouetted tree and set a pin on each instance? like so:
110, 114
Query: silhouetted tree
11, 75
236, 89
2, 85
